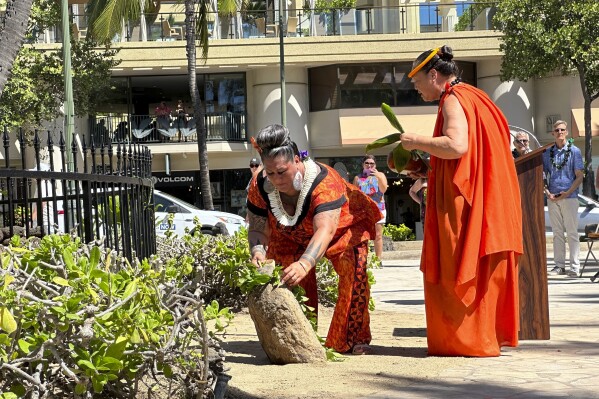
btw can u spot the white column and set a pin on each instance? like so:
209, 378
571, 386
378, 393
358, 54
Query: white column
264, 106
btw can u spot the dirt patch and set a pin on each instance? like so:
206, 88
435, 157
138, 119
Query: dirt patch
399, 359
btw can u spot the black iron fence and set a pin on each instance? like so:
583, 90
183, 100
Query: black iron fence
95, 192
114, 128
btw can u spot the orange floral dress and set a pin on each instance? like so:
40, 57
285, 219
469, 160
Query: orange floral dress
348, 250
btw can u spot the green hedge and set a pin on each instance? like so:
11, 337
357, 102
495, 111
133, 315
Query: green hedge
399, 233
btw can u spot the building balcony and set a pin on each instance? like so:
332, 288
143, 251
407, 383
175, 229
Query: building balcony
366, 19
166, 129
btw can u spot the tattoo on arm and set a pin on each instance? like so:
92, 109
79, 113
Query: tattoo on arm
328, 219
258, 231
325, 224
257, 249
334, 216
257, 223
309, 258
313, 253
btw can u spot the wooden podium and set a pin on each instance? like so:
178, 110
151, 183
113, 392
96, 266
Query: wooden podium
534, 304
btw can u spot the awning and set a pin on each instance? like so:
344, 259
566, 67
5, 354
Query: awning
577, 128
364, 126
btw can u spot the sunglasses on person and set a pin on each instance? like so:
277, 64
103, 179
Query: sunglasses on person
559, 129
254, 165
521, 141
369, 163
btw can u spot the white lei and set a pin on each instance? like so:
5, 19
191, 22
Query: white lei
276, 205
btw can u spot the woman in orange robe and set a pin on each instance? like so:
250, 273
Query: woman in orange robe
473, 224
299, 211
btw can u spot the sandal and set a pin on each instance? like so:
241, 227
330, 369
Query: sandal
361, 349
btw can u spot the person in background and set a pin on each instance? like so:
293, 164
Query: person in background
255, 165
563, 167
473, 227
374, 184
163, 115
418, 194
301, 210
181, 116
255, 168
120, 134
521, 145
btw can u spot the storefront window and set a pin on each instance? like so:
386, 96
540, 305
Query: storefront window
159, 109
225, 92
368, 85
140, 95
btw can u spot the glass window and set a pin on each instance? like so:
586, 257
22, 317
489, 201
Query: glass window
218, 92
323, 87
368, 85
364, 86
225, 92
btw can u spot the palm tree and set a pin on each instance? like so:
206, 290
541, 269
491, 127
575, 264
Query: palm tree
196, 26
12, 35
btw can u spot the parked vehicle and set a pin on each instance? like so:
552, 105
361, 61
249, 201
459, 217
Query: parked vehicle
184, 214
588, 213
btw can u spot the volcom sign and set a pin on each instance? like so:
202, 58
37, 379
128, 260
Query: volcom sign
174, 179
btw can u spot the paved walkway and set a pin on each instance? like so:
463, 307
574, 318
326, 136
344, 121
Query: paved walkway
567, 365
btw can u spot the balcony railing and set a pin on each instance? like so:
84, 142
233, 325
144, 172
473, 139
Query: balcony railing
365, 20
220, 126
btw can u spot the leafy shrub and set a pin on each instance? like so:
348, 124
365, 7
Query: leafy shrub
80, 318
399, 233
229, 274
327, 280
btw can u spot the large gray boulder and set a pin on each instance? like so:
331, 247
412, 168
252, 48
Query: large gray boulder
284, 332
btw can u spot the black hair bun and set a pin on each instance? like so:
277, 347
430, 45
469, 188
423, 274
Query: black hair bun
446, 53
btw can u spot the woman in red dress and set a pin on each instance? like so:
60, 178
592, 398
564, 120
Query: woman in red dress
301, 210
473, 225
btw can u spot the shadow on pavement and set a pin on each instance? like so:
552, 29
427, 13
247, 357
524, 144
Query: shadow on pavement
248, 352
409, 302
409, 332
402, 387
404, 351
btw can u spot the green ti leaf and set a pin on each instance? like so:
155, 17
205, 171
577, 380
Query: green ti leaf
390, 139
401, 157
388, 112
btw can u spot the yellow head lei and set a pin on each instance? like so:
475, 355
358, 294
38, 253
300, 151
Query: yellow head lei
423, 63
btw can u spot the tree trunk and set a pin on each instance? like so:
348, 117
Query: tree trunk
12, 36
588, 183
198, 109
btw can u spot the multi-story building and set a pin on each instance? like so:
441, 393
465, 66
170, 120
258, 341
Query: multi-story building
339, 65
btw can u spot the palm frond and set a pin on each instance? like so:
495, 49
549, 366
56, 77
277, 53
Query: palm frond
111, 18
227, 7
202, 28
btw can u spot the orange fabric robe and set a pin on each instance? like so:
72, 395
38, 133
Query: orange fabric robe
473, 237
347, 251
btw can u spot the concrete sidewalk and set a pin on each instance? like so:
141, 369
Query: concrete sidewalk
567, 365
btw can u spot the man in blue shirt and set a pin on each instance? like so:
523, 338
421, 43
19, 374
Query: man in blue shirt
563, 167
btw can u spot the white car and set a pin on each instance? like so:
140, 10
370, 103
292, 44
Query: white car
588, 213
184, 213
